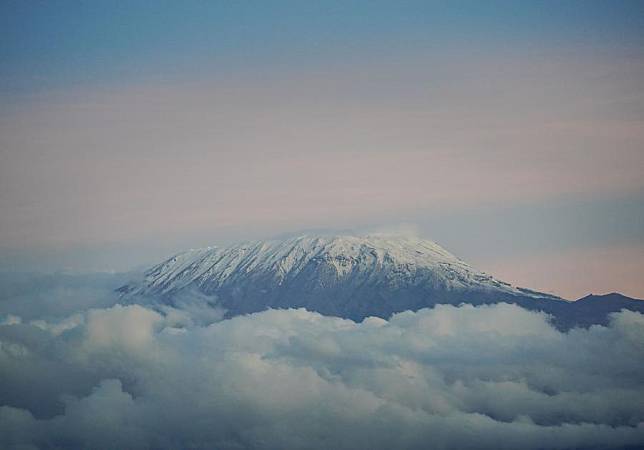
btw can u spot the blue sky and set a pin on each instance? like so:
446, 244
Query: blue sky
510, 132
47, 44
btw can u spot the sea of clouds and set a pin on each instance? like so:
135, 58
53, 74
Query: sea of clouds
102, 375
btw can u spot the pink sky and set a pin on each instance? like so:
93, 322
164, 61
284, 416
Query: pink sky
332, 148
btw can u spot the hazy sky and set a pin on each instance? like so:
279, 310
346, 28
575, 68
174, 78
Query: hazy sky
510, 132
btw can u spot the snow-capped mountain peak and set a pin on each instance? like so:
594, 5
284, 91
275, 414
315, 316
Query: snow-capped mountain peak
345, 275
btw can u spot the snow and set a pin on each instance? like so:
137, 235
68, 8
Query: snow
394, 260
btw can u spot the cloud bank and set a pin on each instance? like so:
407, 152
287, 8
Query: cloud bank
451, 377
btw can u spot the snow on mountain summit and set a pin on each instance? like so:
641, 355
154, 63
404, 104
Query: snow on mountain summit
380, 255
349, 276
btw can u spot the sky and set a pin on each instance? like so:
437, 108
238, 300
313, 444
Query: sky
512, 133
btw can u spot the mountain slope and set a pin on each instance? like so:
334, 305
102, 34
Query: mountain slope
345, 276
595, 309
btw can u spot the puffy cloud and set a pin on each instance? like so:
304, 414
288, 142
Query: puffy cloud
451, 377
129, 327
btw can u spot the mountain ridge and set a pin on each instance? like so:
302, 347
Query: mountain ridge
342, 275
343, 253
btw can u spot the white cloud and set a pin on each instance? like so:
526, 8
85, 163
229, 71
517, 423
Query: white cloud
129, 327
467, 377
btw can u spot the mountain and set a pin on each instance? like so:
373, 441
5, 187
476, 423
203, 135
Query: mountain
594, 309
347, 276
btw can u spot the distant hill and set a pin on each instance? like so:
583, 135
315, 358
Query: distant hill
593, 309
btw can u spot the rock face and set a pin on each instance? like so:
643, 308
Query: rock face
346, 276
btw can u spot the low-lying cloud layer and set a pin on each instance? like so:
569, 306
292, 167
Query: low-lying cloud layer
451, 377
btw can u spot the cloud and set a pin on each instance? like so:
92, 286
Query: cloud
127, 327
449, 377
37, 296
